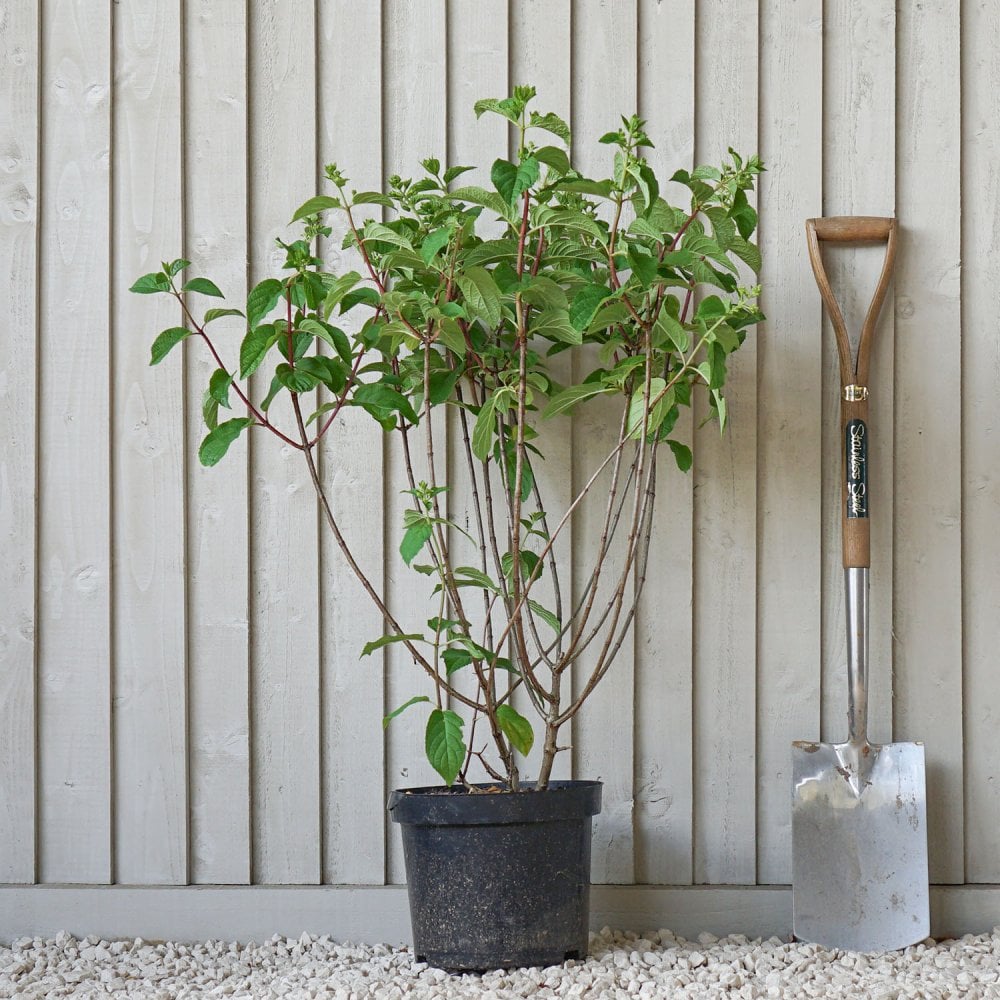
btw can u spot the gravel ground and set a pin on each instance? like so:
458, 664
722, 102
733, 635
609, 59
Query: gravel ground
620, 966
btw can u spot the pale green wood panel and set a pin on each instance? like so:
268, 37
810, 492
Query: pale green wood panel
603, 36
215, 241
19, 135
414, 128
664, 772
284, 524
980, 404
74, 426
540, 51
725, 518
149, 707
351, 462
927, 577
790, 437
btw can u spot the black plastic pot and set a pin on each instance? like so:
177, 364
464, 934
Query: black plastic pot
498, 880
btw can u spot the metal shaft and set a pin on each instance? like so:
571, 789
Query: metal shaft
856, 590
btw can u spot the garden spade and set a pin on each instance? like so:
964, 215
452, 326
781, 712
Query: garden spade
859, 812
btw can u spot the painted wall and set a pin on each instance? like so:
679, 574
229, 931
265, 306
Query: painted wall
180, 694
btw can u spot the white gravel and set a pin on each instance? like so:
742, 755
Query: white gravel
620, 966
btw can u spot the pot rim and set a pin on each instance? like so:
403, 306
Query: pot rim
437, 805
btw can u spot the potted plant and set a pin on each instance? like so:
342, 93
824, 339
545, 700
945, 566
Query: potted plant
451, 316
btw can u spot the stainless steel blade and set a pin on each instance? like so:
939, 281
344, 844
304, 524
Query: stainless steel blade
859, 829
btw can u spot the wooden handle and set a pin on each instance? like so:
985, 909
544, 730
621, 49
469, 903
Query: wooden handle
852, 228
853, 371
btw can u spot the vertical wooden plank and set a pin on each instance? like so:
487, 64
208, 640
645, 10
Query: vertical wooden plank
74, 600
150, 739
284, 549
604, 88
927, 575
980, 431
215, 170
540, 46
477, 67
414, 127
664, 791
353, 780
790, 365
19, 135
859, 155
725, 519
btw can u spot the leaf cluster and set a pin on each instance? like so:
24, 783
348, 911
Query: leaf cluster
461, 297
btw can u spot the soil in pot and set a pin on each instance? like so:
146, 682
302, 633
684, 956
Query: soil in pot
499, 879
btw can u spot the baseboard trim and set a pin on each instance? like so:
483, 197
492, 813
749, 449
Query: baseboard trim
371, 914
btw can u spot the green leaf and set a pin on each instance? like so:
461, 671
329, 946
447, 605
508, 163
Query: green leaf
551, 123
583, 185
416, 536
444, 744
669, 329
555, 325
294, 379
210, 410
166, 342
218, 386
544, 293
331, 335
386, 640
452, 172
492, 251
211, 314
720, 406
682, 454
482, 297
150, 283
571, 218
527, 174
382, 233
477, 577
372, 198
744, 215
570, 396
329, 371
480, 196
505, 107
402, 708
315, 205
585, 304
482, 433
529, 561
338, 289
261, 300
218, 440
637, 409
554, 158
455, 659
746, 251
442, 384
366, 295
434, 242
504, 176
547, 616
611, 312
273, 391
516, 728
255, 346
176, 266
382, 401
204, 286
